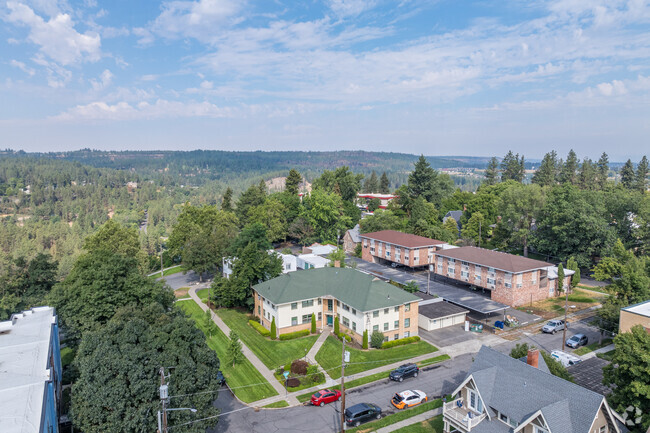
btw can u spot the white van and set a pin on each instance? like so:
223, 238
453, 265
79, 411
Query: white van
566, 359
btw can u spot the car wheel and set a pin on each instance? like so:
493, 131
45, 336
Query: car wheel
553, 332
357, 424
378, 416
415, 374
401, 379
322, 403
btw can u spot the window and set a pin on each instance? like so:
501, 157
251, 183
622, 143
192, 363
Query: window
407, 323
338, 303
306, 318
346, 322
477, 278
320, 301
477, 270
294, 305
320, 316
451, 262
386, 326
385, 310
407, 334
375, 313
259, 297
346, 308
396, 337
397, 309
540, 430
396, 324
503, 417
386, 338
416, 258
309, 303
407, 307
490, 280
439, 261
354, 311
603, 429
375, 328
365, 243
294, 321
475, 402
372, 250
259, 310
387, 253
508, 285
354, 326
287, 267
519, 280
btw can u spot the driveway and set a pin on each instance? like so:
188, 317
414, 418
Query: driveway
550, 342
178, 280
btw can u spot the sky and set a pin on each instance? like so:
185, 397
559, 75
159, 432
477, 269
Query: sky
439, 77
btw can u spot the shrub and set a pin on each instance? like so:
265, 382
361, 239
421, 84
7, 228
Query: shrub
287, 366
336, 326
293, 382
299, 367
274, 333
259, 328
400, 342
365, 339
312, 369
357, 250
377, 339
343, 335
292, 335
313, 323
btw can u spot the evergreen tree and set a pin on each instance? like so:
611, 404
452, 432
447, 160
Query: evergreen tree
546, 174
313, 323
254, 196
364, 344
234, 350
421, 179
560, 278
628, 177
452, 227
587, 175
371, 185
603, 170
274, 330
569, 169
642, 174
573, 265
512, 167
292, 183
377, 339
384, 184
492, 172
226, 201
475, 229
336, 326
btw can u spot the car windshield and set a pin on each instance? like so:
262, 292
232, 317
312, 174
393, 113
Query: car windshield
552, 323
400, 370
318, 394
574, 338
397, 397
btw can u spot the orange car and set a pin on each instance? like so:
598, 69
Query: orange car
409, 398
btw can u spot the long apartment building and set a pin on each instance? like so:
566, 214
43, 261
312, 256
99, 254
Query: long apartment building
512, 280
390, 246
360, 301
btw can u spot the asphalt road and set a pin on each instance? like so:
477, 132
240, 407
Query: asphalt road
178, 280
435, 381
550, 342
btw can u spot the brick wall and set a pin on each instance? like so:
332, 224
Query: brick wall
628, 320
421, 253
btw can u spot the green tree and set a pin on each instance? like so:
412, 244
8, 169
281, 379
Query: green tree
512, 167
427, 183
341, 181
374, 204
411, 287
118, 239
118, 369
364, 344
292, 183
602, 170
226, 201
492, 172
642, 174
254, 196
234, 350
628, 275
628, 177
628, 374
324, 212
560, 278
274, 329
452, 228
382, 220
519, 207
588, 175
255, 233
568, 172
302, 231
547, 173
337, 256
25, 284
336, 326
371, 185
384, 184
313, 323
272, 214
199, 254
376, 339
573, 265
208, 323
475, 229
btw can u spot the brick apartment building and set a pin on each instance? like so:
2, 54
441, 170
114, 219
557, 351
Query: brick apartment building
360, 301
396, 247
512, 280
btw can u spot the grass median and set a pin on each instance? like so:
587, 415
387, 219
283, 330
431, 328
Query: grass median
243, 379
432, 425
593, 346
277, 404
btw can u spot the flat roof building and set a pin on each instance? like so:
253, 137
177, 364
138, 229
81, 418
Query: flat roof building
637, 314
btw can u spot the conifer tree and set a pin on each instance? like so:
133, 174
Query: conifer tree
384, 184
603, 169
642, 174
628, 177
492, 172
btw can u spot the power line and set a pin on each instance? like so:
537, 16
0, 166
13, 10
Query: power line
209, 417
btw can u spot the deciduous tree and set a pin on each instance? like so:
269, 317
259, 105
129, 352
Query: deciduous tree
519, 207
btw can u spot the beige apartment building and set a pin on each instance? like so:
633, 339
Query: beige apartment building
637, 314
390, 246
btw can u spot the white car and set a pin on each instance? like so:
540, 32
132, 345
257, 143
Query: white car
410, 398
566, 359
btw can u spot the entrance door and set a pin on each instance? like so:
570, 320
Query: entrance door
330, 320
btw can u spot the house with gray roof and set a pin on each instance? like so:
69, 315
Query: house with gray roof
351, 240
455, 215
505, 395
360, 301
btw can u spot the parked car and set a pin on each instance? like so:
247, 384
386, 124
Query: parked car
554, 325
566, 359
221, 380
404, 371
362, 412
321, 398
408, 398
577, 341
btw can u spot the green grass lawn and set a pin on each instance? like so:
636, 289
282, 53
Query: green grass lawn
593, 346
397, 417
277, 404
305, 382
607, 356
244, 379
433, 425
203, 294
434, 360
273, 353
329, 356
170, 271
594, 289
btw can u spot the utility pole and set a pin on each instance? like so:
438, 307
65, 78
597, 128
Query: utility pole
566, 308
161, 259
479, 233
428, 279
163, 399
343, 387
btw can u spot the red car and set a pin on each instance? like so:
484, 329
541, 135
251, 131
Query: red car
325, 396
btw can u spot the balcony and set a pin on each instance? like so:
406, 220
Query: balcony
462, 418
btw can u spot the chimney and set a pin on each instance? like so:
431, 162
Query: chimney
337, 263
533, 358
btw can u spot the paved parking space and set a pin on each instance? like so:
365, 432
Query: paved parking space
447, 336
550, 342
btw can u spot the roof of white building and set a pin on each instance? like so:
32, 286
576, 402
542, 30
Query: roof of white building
322, 250
642, 309
24, 350
314, 259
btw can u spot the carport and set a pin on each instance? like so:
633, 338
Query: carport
437, 315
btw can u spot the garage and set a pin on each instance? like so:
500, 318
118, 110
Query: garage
437, 315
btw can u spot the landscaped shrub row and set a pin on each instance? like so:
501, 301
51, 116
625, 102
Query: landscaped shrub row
292, 335
341, 336
259, 328
400, 342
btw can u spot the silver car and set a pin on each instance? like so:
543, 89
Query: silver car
553, 326
577, 341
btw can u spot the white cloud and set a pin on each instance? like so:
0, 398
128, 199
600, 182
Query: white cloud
57, 37
616, 87
104, 80
207, 85
57, 76
350, 8
22, 67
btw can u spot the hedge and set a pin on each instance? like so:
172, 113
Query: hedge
292, 335
400, 342
259, 328
342, 335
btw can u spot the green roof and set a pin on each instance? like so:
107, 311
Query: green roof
354, 288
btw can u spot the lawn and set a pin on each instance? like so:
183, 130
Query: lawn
397, 417
203, 294
433, 425
607, 356
591, 347
243, 379
273, 353
305, 382
277, 404
329, 356
594, 289
170, 271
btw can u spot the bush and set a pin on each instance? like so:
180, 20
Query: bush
377, 339
313, 323
293, 382
357, 250
259, 328
299, 367
292, 335
343, 335
274, 333
287, 366
365, 339
400, 342
336, 326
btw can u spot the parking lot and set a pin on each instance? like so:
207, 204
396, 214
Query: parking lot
550, 342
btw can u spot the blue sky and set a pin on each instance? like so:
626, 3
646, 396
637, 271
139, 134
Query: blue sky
434, 77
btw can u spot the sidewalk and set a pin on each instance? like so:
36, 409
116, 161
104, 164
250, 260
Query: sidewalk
311, 355
259, 365
597, 351
410, 421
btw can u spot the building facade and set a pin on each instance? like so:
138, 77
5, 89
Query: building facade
360, 302
637, 314
390, 246
351, 239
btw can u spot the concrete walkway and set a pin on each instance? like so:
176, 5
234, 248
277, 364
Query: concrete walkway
410, 421
597, 351
259, 365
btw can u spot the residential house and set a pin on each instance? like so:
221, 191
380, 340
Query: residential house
360, 301
503, 394
637, 314
30, 372
390, 246
351, 240
455, 215
311, 261
318, 249
512, 280
363, 199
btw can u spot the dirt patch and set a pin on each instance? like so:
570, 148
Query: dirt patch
182, 292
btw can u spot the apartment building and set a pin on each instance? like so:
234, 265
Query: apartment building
512, 280
390, 246
360, 301
637, 314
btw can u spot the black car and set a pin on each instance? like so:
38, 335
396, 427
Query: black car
220, 379
362, 412
404, 371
